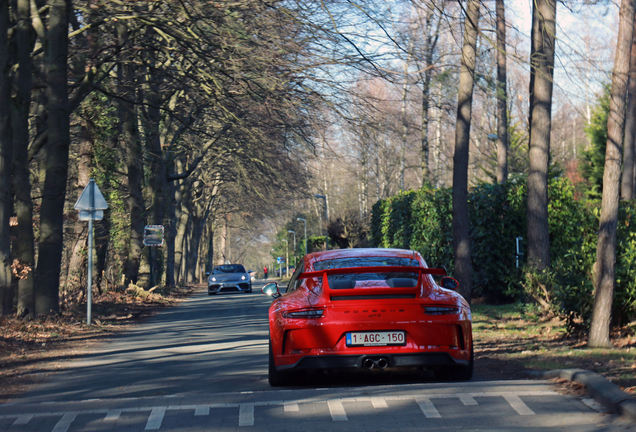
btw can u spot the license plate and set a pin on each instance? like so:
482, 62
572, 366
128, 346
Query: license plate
376, 338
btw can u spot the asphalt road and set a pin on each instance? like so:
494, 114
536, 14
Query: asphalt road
202, 366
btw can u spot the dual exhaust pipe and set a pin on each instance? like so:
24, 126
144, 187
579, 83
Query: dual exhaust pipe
370, 363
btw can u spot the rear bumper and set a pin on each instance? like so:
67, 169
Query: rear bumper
229, 287
432, 359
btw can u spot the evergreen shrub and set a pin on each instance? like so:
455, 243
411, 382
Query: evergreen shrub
422, 220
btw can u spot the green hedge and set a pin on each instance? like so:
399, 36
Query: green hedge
421, 220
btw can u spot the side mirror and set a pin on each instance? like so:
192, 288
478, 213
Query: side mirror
250, 271
207, 274
271, 289
449, 283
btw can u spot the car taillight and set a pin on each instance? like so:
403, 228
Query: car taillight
440, 310
306, 313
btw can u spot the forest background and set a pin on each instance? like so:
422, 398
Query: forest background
222, 120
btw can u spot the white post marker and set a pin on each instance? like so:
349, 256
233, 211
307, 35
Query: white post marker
91, 205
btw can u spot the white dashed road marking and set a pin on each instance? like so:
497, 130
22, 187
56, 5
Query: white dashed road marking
246, 410
379, 402
23, 419
336, 409
518, 405
156, 418
113, 415
427, 407
468, 400
65, 422
202, 410
246, 414
291, 407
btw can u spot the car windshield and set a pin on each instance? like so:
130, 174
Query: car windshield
229, 268
359, 280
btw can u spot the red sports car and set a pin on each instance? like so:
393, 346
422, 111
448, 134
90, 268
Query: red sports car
368, 308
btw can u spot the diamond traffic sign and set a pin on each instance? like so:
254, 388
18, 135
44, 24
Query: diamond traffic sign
85, 215
91, 198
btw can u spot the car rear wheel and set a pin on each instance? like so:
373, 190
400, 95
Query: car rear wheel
276, 378
458, 373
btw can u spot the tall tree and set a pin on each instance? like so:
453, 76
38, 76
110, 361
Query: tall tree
56, 153
6, 203
502, 96
605, 267
461, 238
541, 74
629, 168
431, 35
25, 242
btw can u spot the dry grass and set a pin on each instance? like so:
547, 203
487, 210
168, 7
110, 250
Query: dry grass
510, 342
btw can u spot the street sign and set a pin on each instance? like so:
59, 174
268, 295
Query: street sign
91, 198
85, 215
91, 205
280, 260
153, 235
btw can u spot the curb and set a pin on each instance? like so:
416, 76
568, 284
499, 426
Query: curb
606, 393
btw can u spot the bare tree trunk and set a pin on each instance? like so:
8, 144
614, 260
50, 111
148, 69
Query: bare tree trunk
171, 234
606, 247
629, 171
223, 242
183, 201
56, 157
461, 237
6, 204
405, 125
158, 183
132, 157
25, 251
502, 96
430, 42
542, 71
77, 263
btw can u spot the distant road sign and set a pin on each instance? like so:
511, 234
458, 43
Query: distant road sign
85, 215
153, 235
91, 198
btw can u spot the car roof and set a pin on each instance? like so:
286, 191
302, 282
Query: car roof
362, 252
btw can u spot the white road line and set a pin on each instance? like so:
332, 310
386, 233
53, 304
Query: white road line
336, 410
427, 407
246, 414
468, 400
113, 415
155, 418
291, 407
65, 422
23, 419
202, 410
518, 405
379, 402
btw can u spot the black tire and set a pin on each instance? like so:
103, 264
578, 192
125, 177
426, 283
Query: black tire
458, 373
249, 290
276, 378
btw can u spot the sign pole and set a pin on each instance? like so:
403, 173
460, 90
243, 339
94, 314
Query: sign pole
89, 291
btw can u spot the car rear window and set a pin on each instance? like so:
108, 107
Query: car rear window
361, 280
229, 268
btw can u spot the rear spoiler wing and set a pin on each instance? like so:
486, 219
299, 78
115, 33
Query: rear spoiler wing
379, 269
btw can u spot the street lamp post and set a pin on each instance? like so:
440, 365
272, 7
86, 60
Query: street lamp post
301, 219
324, 197
286, 258
294, 233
